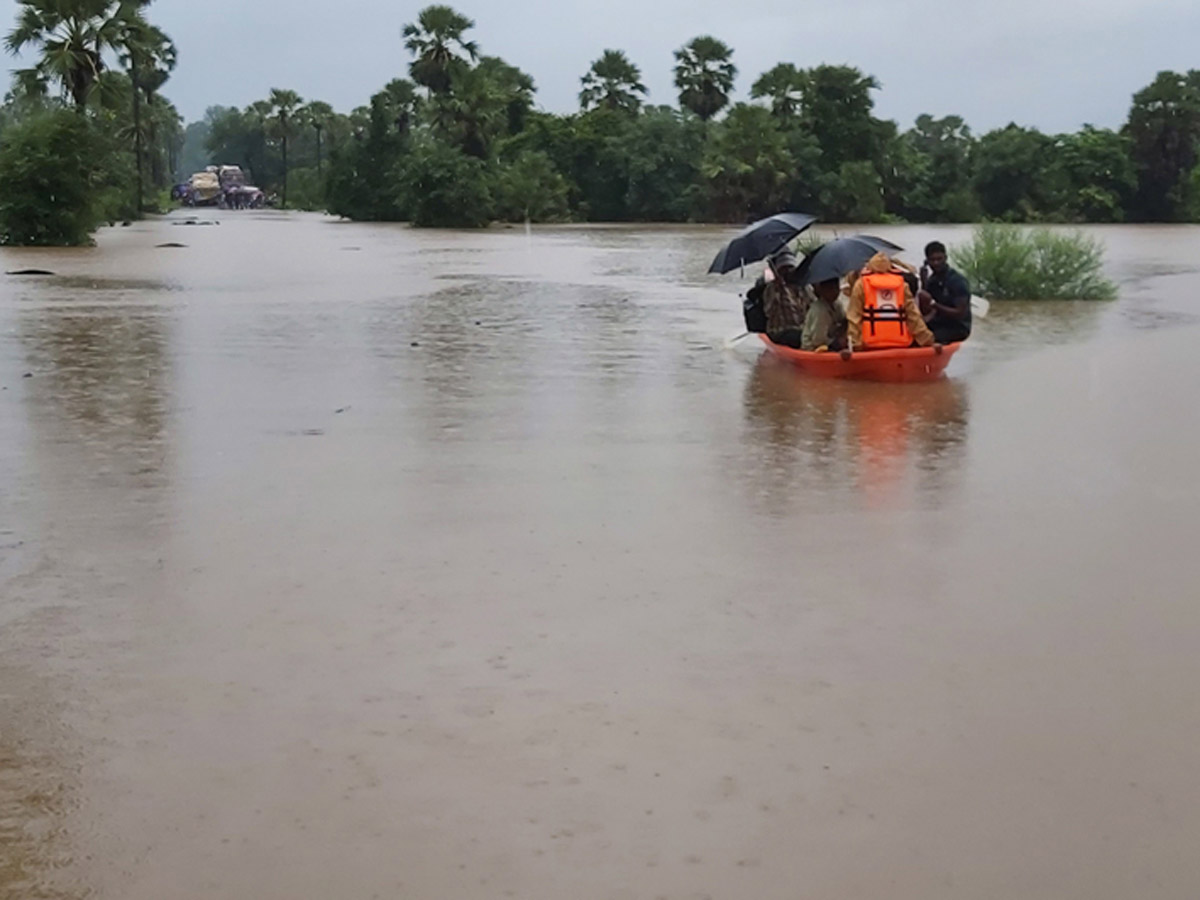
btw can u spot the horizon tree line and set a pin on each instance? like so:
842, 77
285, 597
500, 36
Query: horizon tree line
460, 141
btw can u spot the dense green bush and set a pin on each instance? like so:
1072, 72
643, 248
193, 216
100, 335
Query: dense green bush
306, 189
442, 187
357, 186
52, 180
855, 194
530, 187
1006, 262
747, 166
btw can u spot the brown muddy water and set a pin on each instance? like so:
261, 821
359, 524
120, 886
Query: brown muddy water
344, 561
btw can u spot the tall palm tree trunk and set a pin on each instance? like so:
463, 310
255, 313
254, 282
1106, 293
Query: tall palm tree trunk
137, 134
156, 153
285, 169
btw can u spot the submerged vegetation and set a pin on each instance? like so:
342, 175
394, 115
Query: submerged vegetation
1007, 262
52, 166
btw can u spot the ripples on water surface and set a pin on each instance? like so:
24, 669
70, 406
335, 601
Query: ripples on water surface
354, 561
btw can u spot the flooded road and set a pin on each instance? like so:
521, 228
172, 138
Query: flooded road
346, 561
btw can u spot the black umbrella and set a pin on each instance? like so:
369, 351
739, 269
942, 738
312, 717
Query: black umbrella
842, 255
760, 240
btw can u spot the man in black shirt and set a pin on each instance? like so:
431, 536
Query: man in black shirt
945, 298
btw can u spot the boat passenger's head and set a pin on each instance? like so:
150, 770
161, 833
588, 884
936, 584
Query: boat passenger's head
829, 289
935, 256
784, 262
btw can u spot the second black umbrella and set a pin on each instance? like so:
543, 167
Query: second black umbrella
842, 255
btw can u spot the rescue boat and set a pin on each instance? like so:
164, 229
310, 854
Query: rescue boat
908, 364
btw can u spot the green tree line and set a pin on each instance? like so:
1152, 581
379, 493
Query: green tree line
461, 142
85, 133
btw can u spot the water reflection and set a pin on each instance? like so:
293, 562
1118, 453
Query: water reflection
458, 347
38, 788
94, 480
829, 442
483, 351
99, 391
99, 286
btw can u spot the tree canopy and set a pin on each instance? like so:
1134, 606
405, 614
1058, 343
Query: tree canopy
704, 74
613, 82
105, 63
461, 140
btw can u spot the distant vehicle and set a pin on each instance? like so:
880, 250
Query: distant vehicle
231, 177
204, 189
213, 186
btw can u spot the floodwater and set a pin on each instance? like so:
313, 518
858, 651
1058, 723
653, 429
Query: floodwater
346, 561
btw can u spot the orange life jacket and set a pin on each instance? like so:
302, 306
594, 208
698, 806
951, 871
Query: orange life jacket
884, 324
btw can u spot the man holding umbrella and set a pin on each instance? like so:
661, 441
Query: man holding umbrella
784, 301
776, 306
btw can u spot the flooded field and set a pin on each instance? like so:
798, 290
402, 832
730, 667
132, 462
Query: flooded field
348, 561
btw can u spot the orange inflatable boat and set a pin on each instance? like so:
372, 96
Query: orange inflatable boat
909, 364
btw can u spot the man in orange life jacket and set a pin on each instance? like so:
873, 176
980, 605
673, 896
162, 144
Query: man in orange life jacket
881, 313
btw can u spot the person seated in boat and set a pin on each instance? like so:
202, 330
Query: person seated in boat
882, 313
783, 299
945, 297
824, 323
909, 273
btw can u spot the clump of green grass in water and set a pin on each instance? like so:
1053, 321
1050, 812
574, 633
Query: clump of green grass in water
1006, 262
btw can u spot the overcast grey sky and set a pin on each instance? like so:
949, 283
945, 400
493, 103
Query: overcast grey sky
1054, 64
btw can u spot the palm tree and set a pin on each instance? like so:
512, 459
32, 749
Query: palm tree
260, 110
257, 159
72, 37
516, 86
284, 105
28, 86
400, 102
317, 115
473, 113
167, 137
704, 76
613, 82
436, 40
784, 85
151, 52
150, 57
